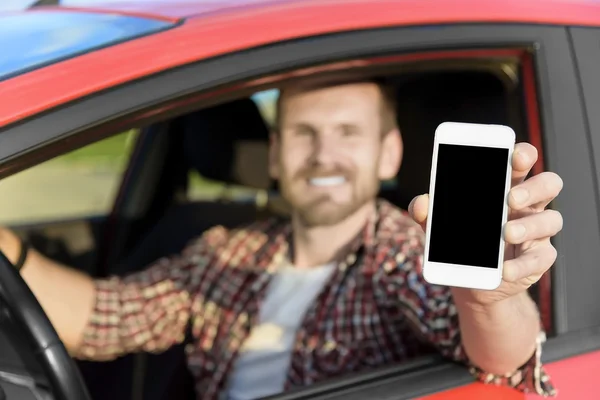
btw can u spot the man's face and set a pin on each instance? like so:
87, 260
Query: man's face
330, 154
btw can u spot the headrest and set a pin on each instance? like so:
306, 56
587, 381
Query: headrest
219, 142
427, 100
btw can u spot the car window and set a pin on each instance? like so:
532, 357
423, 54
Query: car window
479, 90
266, 101
202, 189
79, 184
482, 91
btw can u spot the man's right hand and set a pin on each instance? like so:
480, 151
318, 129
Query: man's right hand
66, 295
9, 244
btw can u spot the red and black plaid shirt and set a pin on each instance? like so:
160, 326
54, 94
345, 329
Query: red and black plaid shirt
375, 310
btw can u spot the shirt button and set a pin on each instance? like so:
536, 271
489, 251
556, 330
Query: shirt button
189, 349
329, 345
351, 259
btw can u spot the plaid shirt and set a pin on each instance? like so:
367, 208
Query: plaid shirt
375, 310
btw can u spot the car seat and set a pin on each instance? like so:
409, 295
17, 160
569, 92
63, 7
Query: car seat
425, 100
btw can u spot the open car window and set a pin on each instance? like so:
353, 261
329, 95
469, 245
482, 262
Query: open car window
79, 184
489, 88
480, 89
202, 189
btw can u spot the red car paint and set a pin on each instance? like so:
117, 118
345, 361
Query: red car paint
574, 377
478, 391
242, 27
214, 28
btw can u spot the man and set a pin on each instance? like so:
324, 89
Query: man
335, 290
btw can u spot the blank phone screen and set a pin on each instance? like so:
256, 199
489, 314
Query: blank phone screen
466, 219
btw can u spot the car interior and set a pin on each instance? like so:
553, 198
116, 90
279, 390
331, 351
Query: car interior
154, 215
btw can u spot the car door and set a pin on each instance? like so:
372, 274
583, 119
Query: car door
575, 349
555, 110
572, 145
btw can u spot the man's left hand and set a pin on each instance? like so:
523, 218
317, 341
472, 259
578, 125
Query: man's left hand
528, 251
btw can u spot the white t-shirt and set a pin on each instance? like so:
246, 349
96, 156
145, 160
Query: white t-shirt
262, 366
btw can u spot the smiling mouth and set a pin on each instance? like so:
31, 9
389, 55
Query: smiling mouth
326, 181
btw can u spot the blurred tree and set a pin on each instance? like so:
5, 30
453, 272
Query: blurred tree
40, 3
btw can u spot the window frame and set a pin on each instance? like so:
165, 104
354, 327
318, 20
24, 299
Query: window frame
170, 93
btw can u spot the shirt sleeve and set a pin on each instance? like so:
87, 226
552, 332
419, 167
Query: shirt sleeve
148, 310
431, 313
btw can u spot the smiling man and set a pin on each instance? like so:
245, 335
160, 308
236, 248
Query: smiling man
336, 289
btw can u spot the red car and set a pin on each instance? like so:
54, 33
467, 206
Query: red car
98, 166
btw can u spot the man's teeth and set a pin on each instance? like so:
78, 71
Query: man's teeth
327, 181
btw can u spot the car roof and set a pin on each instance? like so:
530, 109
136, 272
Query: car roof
202, 8
171, 10
220, 27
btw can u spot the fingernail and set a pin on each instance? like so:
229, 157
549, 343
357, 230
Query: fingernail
517, 231
523, 156
520, 195
509, 274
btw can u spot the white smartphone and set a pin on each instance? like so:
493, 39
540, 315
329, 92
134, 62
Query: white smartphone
468, 205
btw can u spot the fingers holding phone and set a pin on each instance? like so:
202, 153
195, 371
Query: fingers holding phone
536, 226
524, 158
419, 209
469, 243
531, 225
464, 246
534, 194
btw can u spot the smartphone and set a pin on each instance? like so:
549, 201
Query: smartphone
468, 205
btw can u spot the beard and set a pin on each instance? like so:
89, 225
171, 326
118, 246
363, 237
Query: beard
322, 210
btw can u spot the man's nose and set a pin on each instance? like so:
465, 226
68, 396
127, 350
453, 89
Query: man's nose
325, 149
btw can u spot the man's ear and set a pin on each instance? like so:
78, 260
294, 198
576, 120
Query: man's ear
274, 145
391, 155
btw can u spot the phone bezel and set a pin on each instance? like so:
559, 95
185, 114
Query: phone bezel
480, 135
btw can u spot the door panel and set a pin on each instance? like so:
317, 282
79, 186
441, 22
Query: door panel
477, 391
577, 294
586, 43
575, 377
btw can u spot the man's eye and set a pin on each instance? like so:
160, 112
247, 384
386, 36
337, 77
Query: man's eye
350, 131
304, 132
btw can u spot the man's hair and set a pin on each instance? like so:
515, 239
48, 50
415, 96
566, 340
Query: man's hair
387, 107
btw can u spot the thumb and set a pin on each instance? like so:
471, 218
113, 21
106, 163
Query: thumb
419, 210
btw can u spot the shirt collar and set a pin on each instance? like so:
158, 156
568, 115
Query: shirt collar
363, 241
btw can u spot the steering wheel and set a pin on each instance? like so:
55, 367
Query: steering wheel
27, 314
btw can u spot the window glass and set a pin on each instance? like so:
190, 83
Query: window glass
426, 94
267, 104
78, 184
202, 189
